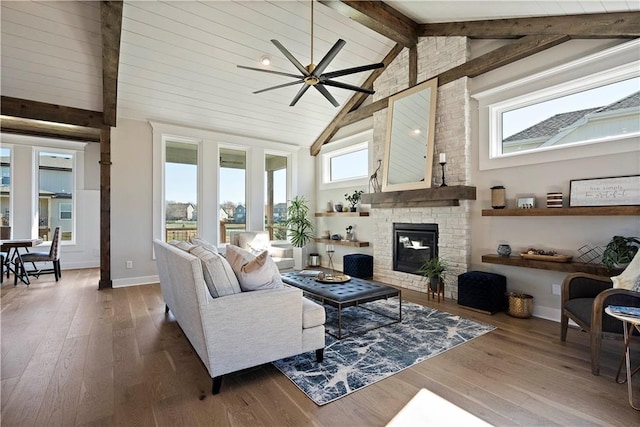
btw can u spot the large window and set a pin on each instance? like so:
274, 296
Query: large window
233, 204
275, 196
181, 190
346, 164
5, 193
584, 115
55, 194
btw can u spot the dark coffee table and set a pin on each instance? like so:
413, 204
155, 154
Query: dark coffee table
342, 295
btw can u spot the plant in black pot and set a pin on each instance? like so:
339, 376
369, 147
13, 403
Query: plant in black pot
620, 251
433, 269
353, 199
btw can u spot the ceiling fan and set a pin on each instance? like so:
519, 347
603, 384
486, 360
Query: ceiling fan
314, 75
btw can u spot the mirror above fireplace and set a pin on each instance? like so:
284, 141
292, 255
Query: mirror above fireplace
409, 144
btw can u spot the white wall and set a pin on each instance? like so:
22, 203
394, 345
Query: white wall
563, 234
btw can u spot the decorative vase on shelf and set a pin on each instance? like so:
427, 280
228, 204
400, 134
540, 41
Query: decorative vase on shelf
338, 207
504, 250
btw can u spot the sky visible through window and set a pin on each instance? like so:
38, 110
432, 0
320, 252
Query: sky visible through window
180, 178
350, 165
525, 117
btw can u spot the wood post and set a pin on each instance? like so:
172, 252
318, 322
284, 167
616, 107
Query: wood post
105, 209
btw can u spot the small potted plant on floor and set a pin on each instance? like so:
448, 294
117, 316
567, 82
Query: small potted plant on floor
353, 199
620, 251
434, 269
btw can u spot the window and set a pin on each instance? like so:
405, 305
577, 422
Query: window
55, 194
181, 190
5, 192
571, 116
584, 108
346, 164
275, 196
233, 179
65, 211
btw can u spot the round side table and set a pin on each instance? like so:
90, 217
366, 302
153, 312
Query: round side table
628, 324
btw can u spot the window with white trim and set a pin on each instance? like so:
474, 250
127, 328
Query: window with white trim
346, 164
56, 192
65, 212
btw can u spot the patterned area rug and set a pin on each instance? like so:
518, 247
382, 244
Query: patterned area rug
360, 360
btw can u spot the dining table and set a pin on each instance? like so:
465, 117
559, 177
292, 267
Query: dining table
13, 262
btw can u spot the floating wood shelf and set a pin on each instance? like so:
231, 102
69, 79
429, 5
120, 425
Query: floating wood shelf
427, 197
343, 214
568, 267
585, 211
342, 242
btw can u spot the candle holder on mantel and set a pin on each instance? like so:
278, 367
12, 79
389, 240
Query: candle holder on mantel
444, 184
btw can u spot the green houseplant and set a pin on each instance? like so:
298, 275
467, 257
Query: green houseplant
620, 251
353, 198
299, 227
433, 269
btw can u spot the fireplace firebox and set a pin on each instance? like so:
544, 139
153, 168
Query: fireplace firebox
413, 244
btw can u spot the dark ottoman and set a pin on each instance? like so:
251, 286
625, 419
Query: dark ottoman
485, 292
358, 265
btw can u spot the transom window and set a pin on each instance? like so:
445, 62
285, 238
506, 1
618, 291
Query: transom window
346, 164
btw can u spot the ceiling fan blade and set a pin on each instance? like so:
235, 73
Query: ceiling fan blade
353, 70
290, 57
301, 92
279, 86
326, 94
328, 57
295, 76
347, 86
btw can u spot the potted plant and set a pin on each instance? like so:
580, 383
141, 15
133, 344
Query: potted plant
299, 228
620, 251
353, 199
433, 269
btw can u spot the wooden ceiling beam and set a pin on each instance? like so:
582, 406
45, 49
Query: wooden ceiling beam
48, 130
111, 27
589, 26
352, 104
379, 17
27, 109
502, 56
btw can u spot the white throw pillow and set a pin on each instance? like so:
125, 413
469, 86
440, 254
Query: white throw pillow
218, 274
629, 276
204, 243
253, 272
254, 242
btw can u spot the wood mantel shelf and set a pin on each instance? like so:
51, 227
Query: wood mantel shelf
343, 214
577, 211
568, 267
427, 197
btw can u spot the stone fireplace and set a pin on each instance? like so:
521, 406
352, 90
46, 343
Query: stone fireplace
413, 244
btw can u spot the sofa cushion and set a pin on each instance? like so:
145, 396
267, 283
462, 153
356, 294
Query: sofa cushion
218, 274
254, 242
181, 244
312, 314
204, 243
253, 272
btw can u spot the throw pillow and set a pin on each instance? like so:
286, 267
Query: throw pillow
218, 274
629, 276
204, 243
254, 242
181, 244
253, 272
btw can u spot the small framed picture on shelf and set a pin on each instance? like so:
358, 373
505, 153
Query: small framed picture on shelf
611, 191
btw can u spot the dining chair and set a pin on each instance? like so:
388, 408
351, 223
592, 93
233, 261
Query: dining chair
52, 256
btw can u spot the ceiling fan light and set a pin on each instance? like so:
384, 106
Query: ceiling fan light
265, 60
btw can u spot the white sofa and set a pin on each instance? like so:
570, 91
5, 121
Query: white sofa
240, 330
254, 241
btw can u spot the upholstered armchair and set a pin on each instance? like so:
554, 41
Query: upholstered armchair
584, 298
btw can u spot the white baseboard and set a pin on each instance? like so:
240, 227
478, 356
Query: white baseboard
135, 281
547, 313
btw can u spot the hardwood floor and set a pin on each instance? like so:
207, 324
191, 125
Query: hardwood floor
73, 355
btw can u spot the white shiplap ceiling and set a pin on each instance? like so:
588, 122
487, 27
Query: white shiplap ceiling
178, 58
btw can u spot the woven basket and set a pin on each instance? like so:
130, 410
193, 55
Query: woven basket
520, 305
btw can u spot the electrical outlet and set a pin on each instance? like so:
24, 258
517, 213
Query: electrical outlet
129, 264
555, 289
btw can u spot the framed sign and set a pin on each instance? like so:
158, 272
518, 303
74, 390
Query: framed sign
613, 191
